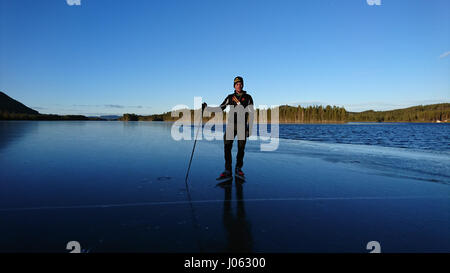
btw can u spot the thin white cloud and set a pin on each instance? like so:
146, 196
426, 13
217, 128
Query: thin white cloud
109, 106
445, 54
114, 106
95, 109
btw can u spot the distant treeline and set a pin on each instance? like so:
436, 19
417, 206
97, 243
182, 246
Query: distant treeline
287, 114
311, 114
22, 116
333, 114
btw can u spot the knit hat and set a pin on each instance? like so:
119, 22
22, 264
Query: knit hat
238, 79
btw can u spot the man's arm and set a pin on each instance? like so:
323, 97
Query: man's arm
251, 116
251, 101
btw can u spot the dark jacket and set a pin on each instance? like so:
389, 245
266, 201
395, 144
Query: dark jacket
233, 99
245, 100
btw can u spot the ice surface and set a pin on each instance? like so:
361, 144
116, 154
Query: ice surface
117, 186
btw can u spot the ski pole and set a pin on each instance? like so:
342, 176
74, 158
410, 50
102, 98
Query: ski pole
193, 148
193, 215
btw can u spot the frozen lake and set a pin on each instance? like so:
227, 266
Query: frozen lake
119, 187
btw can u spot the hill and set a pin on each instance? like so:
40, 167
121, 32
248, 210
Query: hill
11, 109
10, 105
422, 113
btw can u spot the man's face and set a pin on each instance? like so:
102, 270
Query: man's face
238, 87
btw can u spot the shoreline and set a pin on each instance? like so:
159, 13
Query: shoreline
283, 122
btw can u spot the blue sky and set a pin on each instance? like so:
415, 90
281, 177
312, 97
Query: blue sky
113, 57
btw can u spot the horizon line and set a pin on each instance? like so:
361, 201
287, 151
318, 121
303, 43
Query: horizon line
398, 107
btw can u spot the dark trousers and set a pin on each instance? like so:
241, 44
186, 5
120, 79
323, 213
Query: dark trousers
228, 145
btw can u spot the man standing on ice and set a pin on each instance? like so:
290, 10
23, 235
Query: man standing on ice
240, 123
